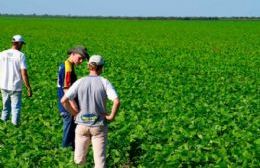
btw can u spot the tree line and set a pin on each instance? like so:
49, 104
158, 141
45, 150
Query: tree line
138, 17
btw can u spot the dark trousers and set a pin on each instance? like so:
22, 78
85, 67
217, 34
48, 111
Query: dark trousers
69, 127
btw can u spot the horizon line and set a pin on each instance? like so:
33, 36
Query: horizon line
144, 17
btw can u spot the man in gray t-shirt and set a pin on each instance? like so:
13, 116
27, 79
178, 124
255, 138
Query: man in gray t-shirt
92, 92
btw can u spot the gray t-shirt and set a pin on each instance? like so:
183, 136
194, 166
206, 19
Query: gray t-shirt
92, 93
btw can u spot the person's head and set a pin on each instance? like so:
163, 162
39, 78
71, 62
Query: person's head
78, 54
96, 63
17, 42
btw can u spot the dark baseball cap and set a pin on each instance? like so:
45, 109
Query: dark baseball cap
80, 50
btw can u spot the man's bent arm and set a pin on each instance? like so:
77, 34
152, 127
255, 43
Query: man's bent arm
115, 107
66, 104
72, 102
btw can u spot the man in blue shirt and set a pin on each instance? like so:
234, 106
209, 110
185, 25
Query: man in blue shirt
66, 77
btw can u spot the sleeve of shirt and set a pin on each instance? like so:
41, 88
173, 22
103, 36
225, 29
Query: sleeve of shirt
73, 90
110, 90
67, 77
23, 62
61, 74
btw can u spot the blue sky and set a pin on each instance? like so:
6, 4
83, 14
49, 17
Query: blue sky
133, 7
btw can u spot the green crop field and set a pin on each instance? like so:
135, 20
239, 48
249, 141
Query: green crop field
189, 91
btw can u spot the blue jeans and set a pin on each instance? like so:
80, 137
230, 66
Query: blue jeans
69, 127
12, 101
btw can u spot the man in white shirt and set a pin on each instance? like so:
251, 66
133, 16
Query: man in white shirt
91, 117
13, 72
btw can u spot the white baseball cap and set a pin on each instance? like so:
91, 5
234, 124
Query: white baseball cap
18, 38
97, 59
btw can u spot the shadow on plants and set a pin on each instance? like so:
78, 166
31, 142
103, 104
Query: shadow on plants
135, 151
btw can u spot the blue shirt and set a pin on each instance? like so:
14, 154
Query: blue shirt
66, 77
